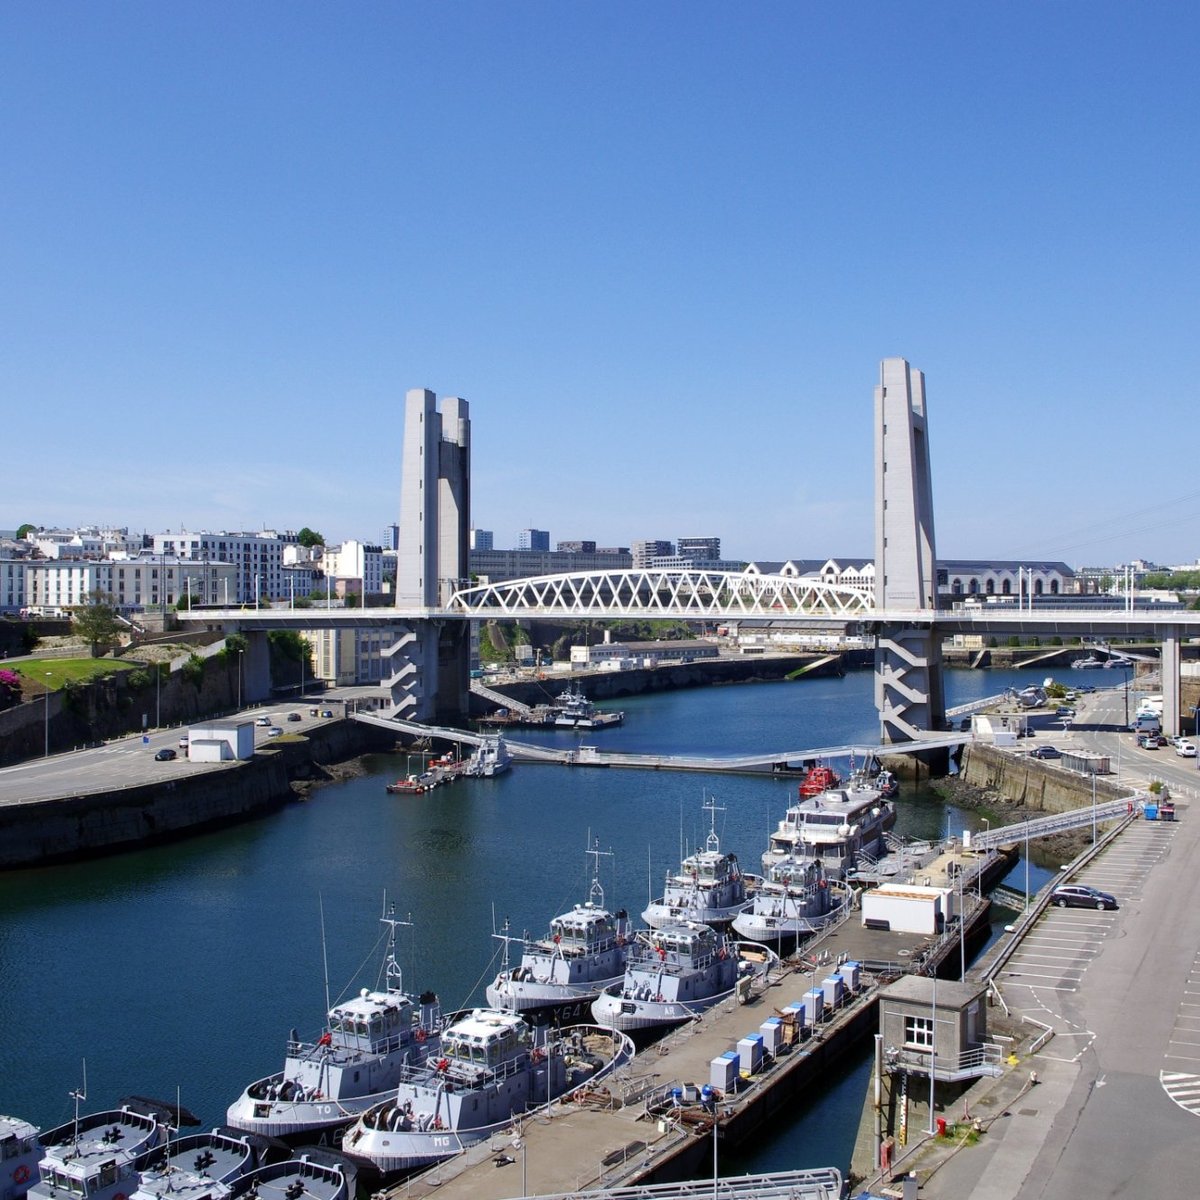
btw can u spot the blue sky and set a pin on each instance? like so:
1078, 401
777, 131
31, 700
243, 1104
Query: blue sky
661, 248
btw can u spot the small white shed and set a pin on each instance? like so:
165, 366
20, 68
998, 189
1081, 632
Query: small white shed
221, 741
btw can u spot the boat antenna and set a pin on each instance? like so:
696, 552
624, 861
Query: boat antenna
324, 950
77, 1095
393, 975
596, 891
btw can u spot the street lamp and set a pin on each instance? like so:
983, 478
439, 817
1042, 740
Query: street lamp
239, 704
522, 1144
158, 695
987, 828
46, 753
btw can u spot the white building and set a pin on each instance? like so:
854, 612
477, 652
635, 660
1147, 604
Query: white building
54, 585
257, 557
359, 564
12, 584
142, 582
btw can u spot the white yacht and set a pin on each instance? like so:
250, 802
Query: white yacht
834, 827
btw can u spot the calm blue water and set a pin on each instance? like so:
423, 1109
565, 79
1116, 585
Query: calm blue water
186, 965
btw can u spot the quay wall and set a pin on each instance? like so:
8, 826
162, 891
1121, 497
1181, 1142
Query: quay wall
88, 824
1031, 782
610, 685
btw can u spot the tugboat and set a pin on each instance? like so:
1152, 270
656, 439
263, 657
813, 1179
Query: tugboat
562, 973
96, 1157
355, 1063
674, 974
21, 1152
795, 901
710, 887
834, 827
492, 1067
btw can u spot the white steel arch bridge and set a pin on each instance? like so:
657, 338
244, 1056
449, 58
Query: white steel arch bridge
678, 593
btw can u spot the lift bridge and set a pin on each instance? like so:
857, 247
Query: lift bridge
895, 604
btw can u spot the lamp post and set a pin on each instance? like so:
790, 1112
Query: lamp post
1026, 864
1093, 808
1125, 672
522, 1144
239, 680
962, 928
932, 1130
979, 877
46, 748
158, 695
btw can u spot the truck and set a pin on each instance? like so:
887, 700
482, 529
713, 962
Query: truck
1146, 722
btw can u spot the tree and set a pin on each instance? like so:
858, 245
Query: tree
310, 538
22, 530
97, 622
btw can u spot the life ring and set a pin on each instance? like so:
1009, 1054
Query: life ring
421, 1034
21, 1174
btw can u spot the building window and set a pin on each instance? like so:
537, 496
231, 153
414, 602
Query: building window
918, 1032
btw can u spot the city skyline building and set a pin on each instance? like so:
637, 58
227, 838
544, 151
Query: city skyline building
533, 539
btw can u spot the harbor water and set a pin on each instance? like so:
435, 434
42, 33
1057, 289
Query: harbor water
180, 969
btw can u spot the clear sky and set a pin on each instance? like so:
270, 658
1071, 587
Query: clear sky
660, 247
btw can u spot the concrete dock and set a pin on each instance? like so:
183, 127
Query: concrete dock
630, 1132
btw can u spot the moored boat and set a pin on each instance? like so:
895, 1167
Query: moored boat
676, 973
794, 901
573, 710
583, 953
834, 827
20, 1156
492, 1067
491, 757
96, 1157
200, 1166
310, 1175
355, 1063
709, 887
818, 778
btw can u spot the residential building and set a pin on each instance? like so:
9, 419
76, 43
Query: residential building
699, 549
481, 539
257, 557
358, 564
533, 539
12, 584
342, 657
644, 551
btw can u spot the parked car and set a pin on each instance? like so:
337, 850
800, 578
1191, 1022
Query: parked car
183, 742
1148, 741
293, 716
1045, 752
164, 755
1185, 749
1161, 740
274, 731
1079, 895
1064, 710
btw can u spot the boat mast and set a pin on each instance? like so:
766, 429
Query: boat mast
596, 891
394, 977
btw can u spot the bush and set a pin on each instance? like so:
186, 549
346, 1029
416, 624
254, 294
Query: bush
193, 670
10, 689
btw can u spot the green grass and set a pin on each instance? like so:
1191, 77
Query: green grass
49, 674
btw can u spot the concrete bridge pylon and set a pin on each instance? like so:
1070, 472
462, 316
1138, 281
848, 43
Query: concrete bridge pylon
909, 692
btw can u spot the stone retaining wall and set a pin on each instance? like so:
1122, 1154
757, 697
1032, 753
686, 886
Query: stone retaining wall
1032, 782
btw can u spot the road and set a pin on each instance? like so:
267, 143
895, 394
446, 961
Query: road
130, 762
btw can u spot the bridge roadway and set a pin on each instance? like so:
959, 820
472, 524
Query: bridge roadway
589, 756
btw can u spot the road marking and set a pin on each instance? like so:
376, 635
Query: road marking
1183, 1089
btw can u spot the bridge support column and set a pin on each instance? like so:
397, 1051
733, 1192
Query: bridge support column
256, 668
908, 685
429, 671
1170, 681
908, 658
